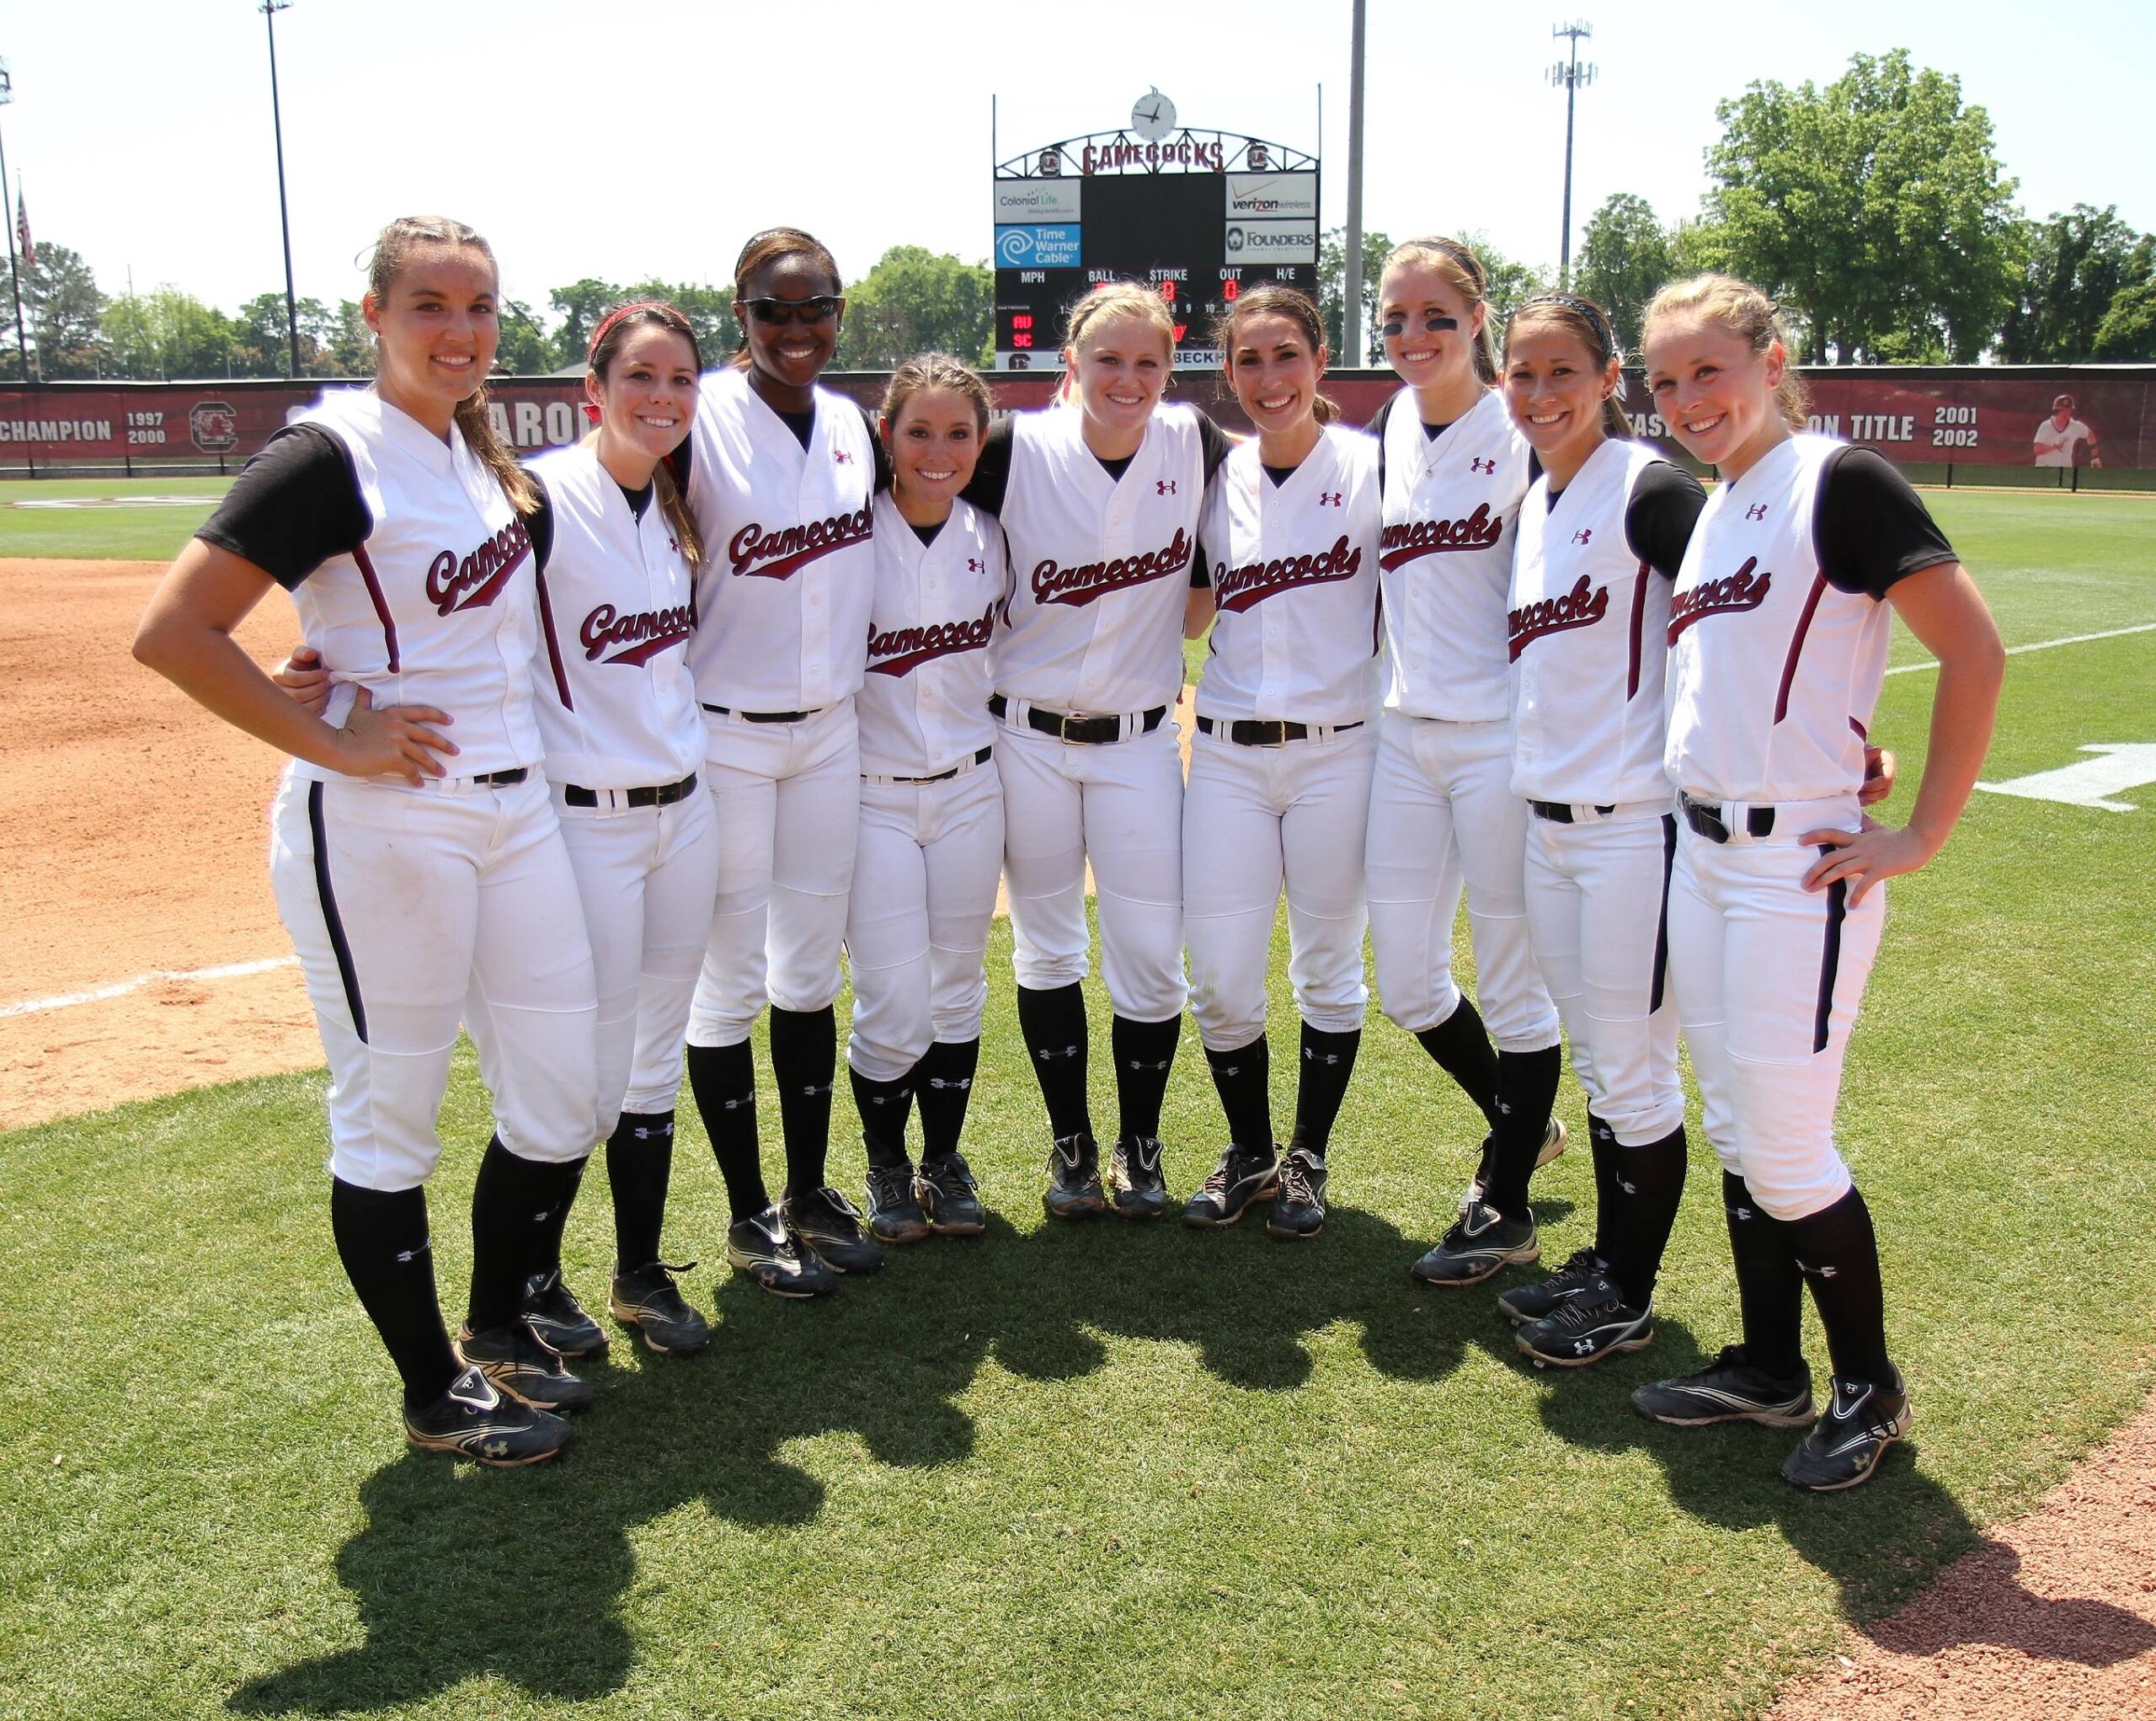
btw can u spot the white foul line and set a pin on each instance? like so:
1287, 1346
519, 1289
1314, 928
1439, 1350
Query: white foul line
230, 970
1907, 669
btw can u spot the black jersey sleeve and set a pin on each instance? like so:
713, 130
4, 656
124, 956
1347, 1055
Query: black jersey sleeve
540, 523
1870, 529
878, 452
1658, 520
292, 507
991, 477
1215, 442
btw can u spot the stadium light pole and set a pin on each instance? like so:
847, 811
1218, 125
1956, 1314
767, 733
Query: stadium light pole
1570, 77
270, 9
1351, 290
8, 220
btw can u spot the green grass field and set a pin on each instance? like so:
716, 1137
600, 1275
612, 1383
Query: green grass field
97, 524
1101, 1472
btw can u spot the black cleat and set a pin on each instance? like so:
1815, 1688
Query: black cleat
895, 1212
551, 1311
1481, 1243
1136, 1188
1543, 1298
475, 1420
1845, 1445
759, 1247
1554, 1137
823, 1222
1729, 1389
1073, 1178
1595, 1324
1297, 1208
648, 1301
949, 1197
1244, 1175
515, 1359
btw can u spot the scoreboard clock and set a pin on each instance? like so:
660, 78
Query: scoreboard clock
1200, 216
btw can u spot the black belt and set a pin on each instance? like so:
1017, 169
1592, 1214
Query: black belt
1558, 813
663, 794
1705, 818
980, 758
1090, 731
1246, 732
765, 716
503, 779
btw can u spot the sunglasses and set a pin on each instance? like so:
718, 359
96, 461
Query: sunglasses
1433, 322
777, 313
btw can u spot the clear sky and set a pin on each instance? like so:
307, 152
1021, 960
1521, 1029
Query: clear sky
623, 140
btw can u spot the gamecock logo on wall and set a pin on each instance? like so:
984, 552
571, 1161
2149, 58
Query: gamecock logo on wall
214, 427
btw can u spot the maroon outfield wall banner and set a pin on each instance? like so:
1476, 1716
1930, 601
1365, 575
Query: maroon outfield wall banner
1972, 415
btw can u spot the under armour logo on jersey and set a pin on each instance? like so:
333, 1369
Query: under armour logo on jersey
1477, 463
673, 543
1583, 534
1163, 486
1329, 499
842, 456
974, 564
1758, 511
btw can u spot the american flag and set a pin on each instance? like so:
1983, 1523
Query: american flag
22, 229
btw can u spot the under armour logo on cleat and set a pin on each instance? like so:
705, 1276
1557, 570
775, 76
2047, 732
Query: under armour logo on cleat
1163, 486
1583, 534
1758, 511
494, 1449
1478, 464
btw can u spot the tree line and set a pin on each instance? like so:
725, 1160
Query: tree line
1875, 208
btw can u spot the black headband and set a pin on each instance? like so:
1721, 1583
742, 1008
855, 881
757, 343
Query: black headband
1586, 308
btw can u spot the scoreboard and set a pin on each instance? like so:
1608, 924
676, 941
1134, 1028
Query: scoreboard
1201, 217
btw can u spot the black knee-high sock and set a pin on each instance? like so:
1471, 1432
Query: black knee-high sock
1053, 1022
1602, 1145
1145, 1053
884, 1108
1769, 1289
804, 1061
550, 1239
1327, 1060
1244, 1077
1838, 1252
514, 1204
1639, 1209
381, 1239
723, 1079
639, 1165
1462, 1048
1527, 1087
943, 1083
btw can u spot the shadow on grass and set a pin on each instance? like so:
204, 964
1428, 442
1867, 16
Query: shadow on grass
462, 1572
1879, 1544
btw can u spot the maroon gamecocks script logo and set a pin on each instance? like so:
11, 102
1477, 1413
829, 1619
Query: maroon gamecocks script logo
477, 580
900, 651
1239, 588
1719, 597
784, 552
1398, 545
644, 633
1081, 585
1580, 608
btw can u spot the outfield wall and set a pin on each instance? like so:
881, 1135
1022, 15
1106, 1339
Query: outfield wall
1968, 415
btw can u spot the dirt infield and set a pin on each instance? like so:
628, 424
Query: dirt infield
133, 844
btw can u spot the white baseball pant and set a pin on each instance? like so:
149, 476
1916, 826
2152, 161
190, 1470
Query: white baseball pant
789, 800
648, 876
1769, 977
916, 933
1252, 818
1595, 895
414, 911
1117, 805
1443, 817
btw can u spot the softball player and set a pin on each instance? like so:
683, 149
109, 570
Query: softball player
1778, 634
411, 871
931, 805
1601, 535
781, 475
1279, 785
1100, 505
1442, 815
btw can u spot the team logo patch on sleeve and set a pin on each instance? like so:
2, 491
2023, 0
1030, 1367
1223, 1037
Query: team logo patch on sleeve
1398, 545
1582, 606
781, 554
1052, 583
1239, 588
478, 580
900, 651
1739, 591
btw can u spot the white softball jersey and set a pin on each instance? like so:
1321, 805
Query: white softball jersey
618, 705
1445, 558
1295, 574
1586, 640
923, 705
436, 607
783, 595
1774, 670
1100, 565
2056, 446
